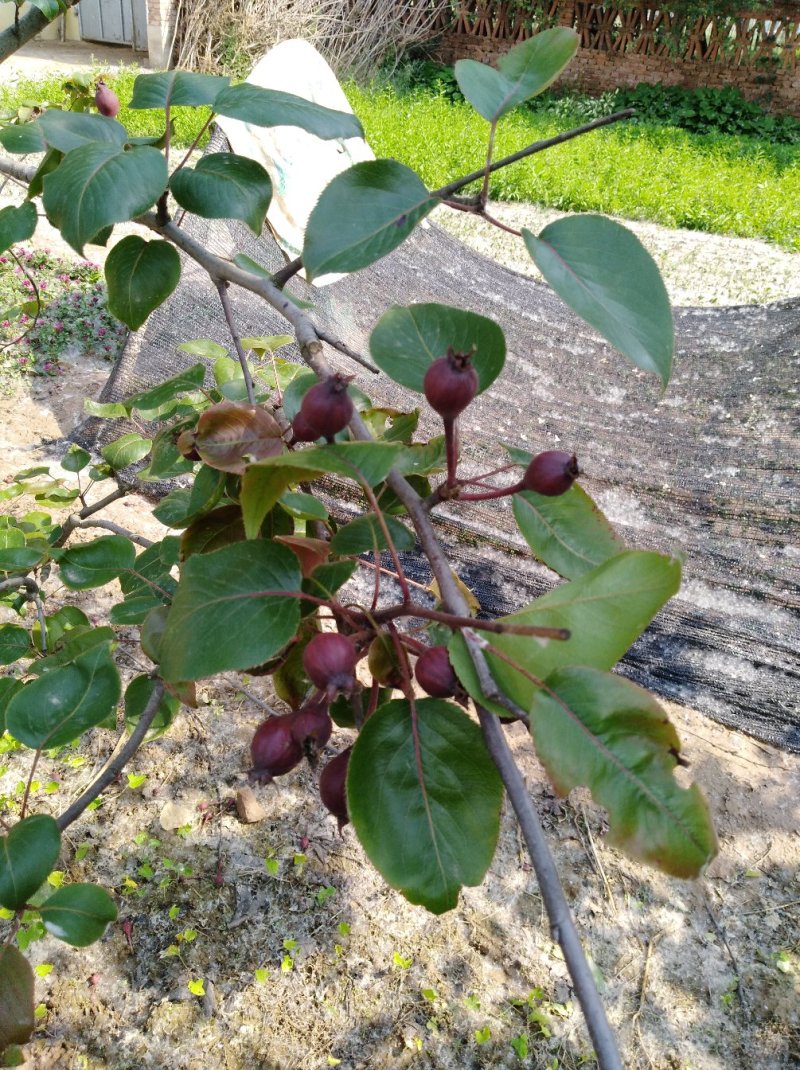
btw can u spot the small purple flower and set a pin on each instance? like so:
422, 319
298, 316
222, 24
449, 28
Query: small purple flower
102, 332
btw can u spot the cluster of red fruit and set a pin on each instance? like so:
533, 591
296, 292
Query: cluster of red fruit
280, 743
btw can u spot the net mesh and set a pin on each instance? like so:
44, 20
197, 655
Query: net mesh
709, 470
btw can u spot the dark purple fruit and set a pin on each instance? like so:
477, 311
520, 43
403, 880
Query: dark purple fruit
274, 749
330, 661
450, 384
312, 726
435, 673
551, 473
106, 100
326, 408
303, 431
333, 787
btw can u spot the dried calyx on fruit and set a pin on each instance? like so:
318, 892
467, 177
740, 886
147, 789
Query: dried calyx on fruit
326, 409
333, 786
330, 661
274, 749
450, 384
106, 100
435, 674
551, 473
312, 726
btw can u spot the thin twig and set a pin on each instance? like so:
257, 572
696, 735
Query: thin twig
488, 686
222, 290
288, 271
117, 764
348, 352
117, 529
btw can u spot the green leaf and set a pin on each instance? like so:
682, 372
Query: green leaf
22, 139
93, 564
224, 186
8, 688
595, 729
184, 382
49, 8
15, 643
50, 161
523, 72
303, 506
137, 696
327, 579
203, 347
407, 340
140, 276
17, 223
272, 107
264, 483
125, 450
60, 705
98, 185
78, 914
606, 275
605, 611
176, 88
75, 459
17, 1018
364, 534
364, 213
67, 130
424, 799
568, 532
27, 854
76, 641
228, 611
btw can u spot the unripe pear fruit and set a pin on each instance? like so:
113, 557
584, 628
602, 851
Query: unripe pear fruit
383, 663
551, 473
333, 786
312, 726
435, 673
326, 408
106, 100
450, 384
274, 749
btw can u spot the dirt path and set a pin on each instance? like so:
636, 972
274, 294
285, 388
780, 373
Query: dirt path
309, 961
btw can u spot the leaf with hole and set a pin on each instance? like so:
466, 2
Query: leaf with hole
363, 214
98, 185
424, 798
224, 186
17, 223
595, 729
62, 704
176, 88
27, 855
140, 276
78, 914
406, 340
568, 532
17, 1017
272, 107
94, 564
233, 609
604, 610
605, 274
523, 72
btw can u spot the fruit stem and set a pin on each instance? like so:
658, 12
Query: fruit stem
451, 445
485, 495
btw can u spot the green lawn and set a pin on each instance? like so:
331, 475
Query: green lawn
712, 182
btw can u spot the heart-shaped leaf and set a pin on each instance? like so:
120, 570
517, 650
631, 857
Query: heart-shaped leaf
424, 799
27, 854
230, 435
17, 223
272, 107
173, 88
78, 914
229, 611
98, 185
523, 72
62, 704
67, 130
592, 728
406, 340
604, 610
224, 186
94, 564
140, 276
364, 213
606, 275
568, 532
17, 1018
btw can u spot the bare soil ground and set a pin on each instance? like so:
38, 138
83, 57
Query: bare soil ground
308, 960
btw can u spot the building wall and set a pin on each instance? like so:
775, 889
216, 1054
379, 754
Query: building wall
49, 33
